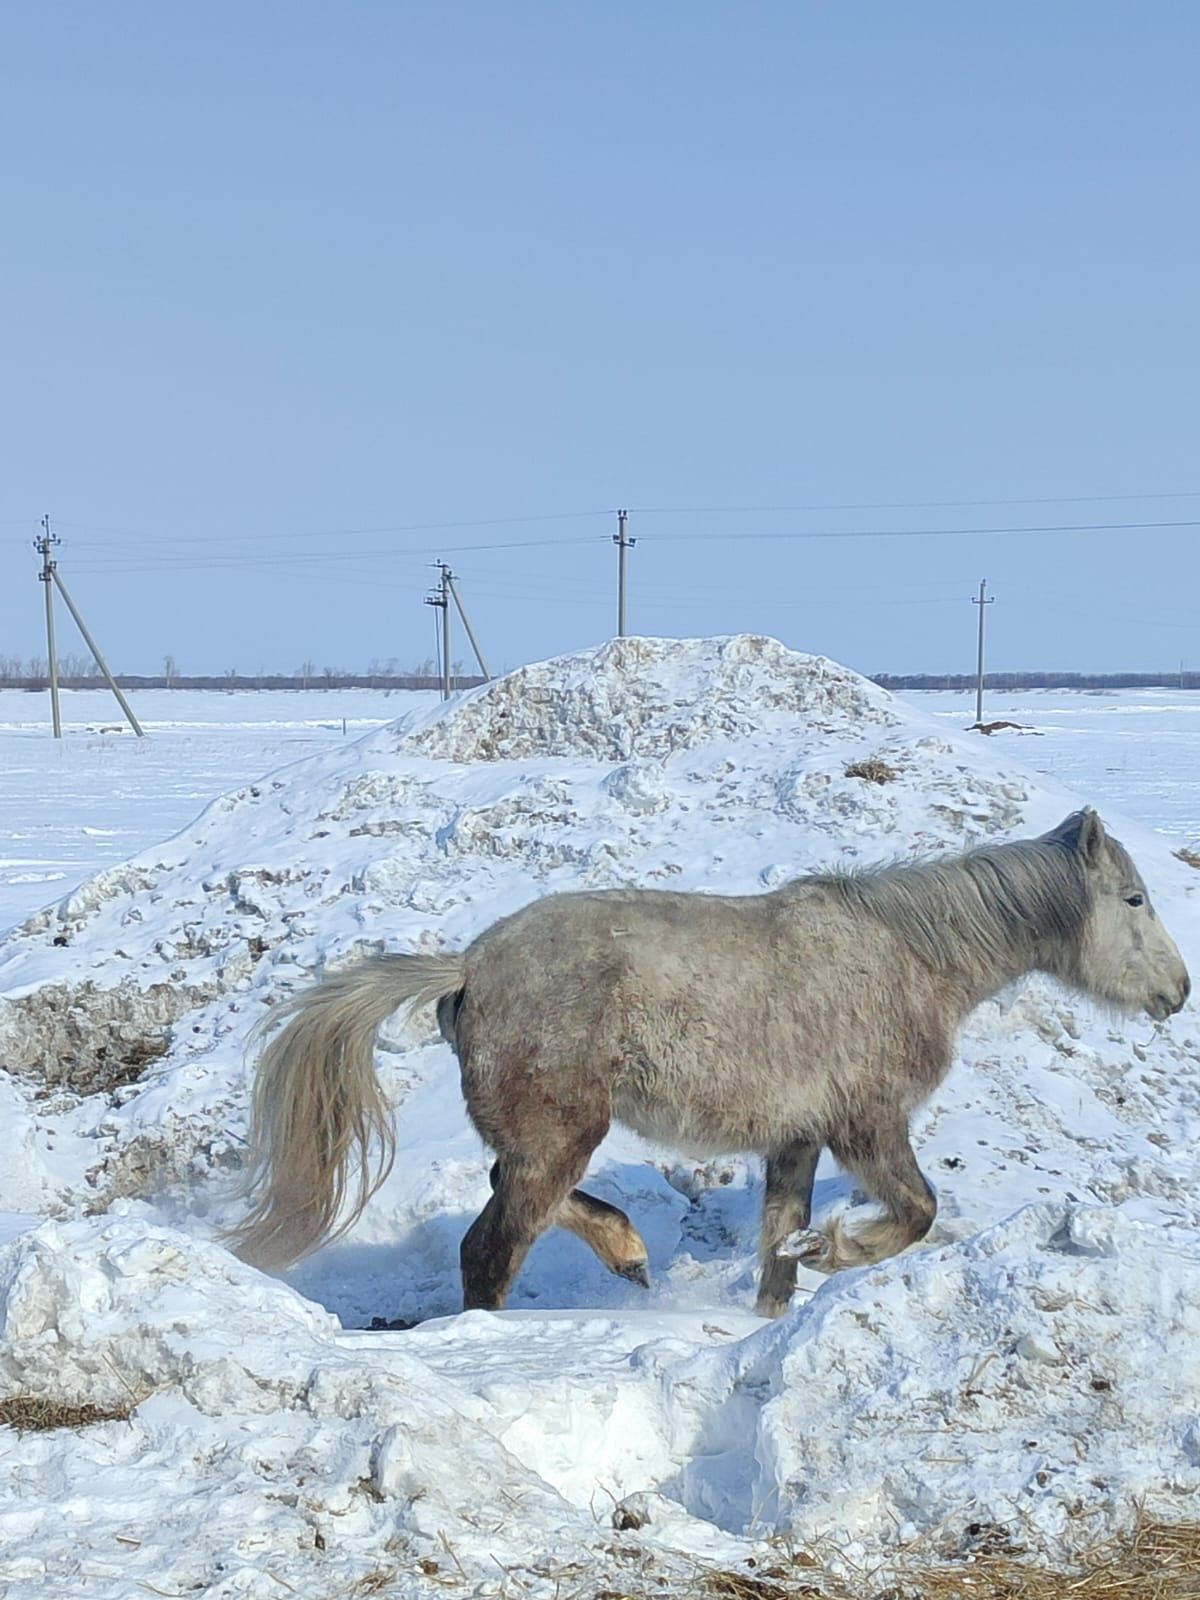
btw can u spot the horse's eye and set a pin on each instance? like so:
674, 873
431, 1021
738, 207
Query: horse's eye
1135, 900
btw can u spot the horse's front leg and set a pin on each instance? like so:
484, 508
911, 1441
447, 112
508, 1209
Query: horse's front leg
881, 1158
787, 1207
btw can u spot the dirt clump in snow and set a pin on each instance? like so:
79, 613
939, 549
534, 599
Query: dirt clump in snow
86, 1039
169, 1159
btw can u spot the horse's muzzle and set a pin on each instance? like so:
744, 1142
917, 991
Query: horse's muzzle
1161, 1006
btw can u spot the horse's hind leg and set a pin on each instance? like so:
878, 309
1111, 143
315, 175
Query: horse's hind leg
610, 1234
882, 1158
787, 1206
606, 1229
528, 1190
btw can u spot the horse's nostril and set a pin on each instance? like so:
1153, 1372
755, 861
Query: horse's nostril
1176, 1002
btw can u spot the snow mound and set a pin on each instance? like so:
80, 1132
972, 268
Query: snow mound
1054, 1347
649, 698
245, 1396
97, 1312
1027, 1386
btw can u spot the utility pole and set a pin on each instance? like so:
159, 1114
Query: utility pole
623, 543
981, 602
97, 657
44, 546
441, 597
466, 622
52, 578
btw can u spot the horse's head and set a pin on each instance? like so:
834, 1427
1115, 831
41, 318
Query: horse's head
1124, 957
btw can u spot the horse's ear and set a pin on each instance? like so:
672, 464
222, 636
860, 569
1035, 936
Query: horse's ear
1084, 833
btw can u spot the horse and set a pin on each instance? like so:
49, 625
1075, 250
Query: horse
819, 1014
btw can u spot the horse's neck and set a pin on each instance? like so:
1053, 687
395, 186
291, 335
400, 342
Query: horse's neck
983, 981
988, 967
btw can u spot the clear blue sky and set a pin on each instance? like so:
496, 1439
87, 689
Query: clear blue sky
279, 276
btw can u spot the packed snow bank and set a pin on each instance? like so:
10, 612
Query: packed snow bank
266, 1447
1029, 1386
1025, 1387
707, 765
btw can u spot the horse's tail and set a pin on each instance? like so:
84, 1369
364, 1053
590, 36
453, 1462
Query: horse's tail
318, 1107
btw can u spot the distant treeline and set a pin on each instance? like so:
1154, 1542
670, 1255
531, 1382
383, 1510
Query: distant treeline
1039, 680
232, 681
18, 677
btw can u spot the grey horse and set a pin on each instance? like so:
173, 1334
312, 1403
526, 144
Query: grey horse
818, 1015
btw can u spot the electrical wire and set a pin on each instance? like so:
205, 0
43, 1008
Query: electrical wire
912, 505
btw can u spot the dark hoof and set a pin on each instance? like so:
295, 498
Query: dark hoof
770, 1305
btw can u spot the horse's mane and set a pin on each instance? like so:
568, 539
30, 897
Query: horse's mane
999, 900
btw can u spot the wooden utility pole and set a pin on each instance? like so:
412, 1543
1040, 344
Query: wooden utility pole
624, 544
97, 657
981, 602
441, 597
466, 622
52, 578
44, 546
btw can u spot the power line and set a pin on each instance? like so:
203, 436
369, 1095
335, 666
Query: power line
220, 562
913, 505
189, 564
1140, 618
743, 536
130, 536
329, 533
924, 533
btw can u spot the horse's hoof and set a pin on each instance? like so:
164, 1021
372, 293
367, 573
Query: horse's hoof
769, 1305
637, 1272
806, 1245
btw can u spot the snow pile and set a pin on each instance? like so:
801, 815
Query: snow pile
1013, 1369
1024, 1389
1021, 1389
698, 764
625, 700
260, 1446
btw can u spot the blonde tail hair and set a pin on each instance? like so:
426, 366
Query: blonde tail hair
318, 1108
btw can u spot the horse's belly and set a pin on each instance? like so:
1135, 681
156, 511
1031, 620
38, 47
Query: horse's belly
703, 1116
673, 1127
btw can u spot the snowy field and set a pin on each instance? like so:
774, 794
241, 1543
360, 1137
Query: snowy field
69, 807
1028, 1374
1136, 751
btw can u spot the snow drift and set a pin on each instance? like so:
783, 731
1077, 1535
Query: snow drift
1026, 1371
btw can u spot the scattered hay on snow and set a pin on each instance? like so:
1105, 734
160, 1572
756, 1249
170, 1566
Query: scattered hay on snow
874, 770
36, 1413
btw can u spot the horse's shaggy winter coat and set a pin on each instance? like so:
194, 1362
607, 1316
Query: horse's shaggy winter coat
817, 1015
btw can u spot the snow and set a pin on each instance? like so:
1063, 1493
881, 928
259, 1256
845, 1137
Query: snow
1132, 751
131, 792
1030, 1368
